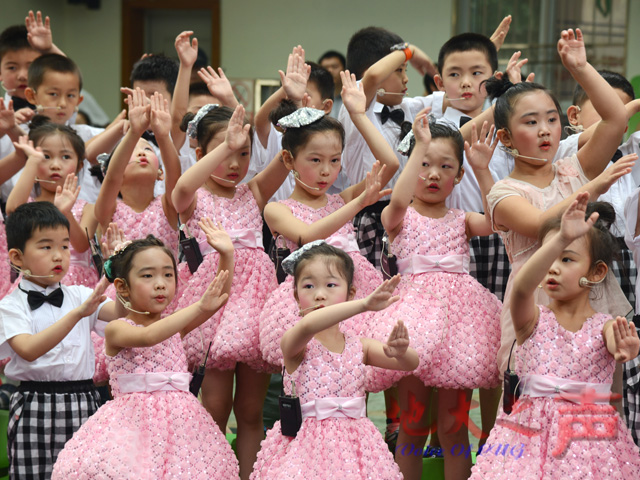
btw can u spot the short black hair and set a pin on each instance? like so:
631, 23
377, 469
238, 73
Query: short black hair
156, 68
323, 80
333, 54
468, 42
616, 80
51, 62
14, 38
199, 88
367, 46
29, 217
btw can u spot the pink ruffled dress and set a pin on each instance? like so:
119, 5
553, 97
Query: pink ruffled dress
234, 328
281, 309
153, 429
336, 439
453, 321
542, 435
81, 269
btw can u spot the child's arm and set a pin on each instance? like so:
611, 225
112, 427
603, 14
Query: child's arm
517, 214
24, 185
294, 341
621, 339
65, 198
266, 183
32, 346
596, 154
138, 123
632, 108
8, 124
106, 140
184, 193
39, 34
281, 220
500, 33
524, 311
479, 155
160, 123
119, 334
402, 195
395, 354
187, 53
219, 86
380, 71
355, 102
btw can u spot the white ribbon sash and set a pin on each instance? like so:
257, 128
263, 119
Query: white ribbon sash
548, 386
240, 238
153, 382
335, 407
347, 243
433, 263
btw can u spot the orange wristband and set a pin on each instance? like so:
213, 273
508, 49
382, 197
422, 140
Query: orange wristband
408, 54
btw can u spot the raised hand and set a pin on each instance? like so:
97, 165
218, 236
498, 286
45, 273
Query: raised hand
480, 151
237, 131
382, 296
217, 237
7, 117
294, 81
26, 146
571, 49
373, 185
67, 194
24, 115
353, 97
39, 32
627, 341
92, 303
114, 236
160, 118
612, 173
421, 129
213, 298
186, 48
398, 341
501, 32
139, 111
573, 224
218, 85
514, 67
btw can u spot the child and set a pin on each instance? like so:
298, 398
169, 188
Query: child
326, 366
456, 339
154, 73
334, 62
312, 144
54, 157
527, 119
154, 428
565, 360
211, 188
44, 328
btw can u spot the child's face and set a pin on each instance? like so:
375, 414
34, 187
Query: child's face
143, 163
535, 128
232, 169
13, 70
46, 253
441, 172
152, 86
60, 160
318, 162
461, 80
334, 66
316, 100
587, 114
151, 280
395, 83
320, 284
58, 94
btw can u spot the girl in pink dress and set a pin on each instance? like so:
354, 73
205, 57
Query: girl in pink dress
312, 146
565, 360
326, 366
452, 319
155, 428
212, 188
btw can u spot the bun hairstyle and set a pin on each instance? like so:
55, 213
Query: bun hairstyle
603, 245
507, 95
210, 125
119, 264
41, 127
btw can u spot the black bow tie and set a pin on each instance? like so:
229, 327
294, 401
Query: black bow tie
396, 115
464, 119
36, 299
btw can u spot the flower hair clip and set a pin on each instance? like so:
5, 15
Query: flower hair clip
289, 263
301, 118
192, 126
121, 247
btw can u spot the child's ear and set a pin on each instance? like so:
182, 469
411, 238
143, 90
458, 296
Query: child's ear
327, 106
352, 292
30, 95
504, 136
459, 176
121, 287
598, 272
573, 115
160, 174
438, 81
199, 154
15, 257
80, 99
287, 159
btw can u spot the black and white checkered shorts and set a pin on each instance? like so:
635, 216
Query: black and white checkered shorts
369, 231
490, 263
43, 416
625, 271
631, 396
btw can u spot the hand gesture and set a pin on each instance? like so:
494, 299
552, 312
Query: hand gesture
7, 117
67, 194
139, 109
571, 49
573, 224
92, 303
129, 92
382, 296
217, 237
114, 237
514, 67
218, 85
187, 49
25, 146
160, 120
501, 32
611, 175
294, 81
24, 115
421, 129
398, 341
627, 341
373, 185
480, 151
38, 33
353, 97
237, 132
213, 298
